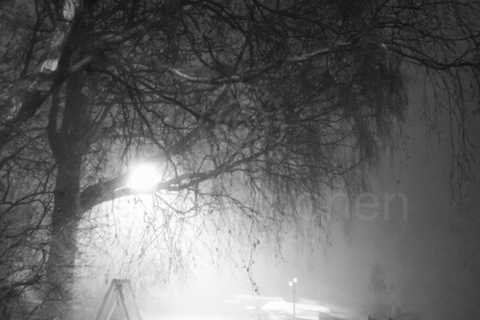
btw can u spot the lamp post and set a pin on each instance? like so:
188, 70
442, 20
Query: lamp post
293, 285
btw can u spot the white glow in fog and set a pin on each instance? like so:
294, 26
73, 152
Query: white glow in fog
143, 238
143, 177
286, 307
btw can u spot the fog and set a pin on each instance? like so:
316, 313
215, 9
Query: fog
414, 255
197, 158
408, 248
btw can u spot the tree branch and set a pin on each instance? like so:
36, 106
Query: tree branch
32, 101
117, 187
251, 74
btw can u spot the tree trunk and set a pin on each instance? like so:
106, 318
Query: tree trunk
68, 145
61, 261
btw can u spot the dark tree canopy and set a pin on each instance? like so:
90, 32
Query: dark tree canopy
288, 98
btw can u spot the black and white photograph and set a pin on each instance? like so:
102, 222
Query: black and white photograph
239, 159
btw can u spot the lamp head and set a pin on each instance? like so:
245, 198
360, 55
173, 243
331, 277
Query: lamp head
143, 177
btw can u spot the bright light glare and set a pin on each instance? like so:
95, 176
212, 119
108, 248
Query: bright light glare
143, 177
293, 282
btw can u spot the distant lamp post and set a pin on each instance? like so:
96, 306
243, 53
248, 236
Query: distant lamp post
293, 285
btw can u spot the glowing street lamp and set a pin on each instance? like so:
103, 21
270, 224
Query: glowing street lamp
293, 284
143, 177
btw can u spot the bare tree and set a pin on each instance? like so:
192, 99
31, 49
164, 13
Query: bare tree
289, 97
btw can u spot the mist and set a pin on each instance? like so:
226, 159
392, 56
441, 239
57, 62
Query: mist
239, 160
